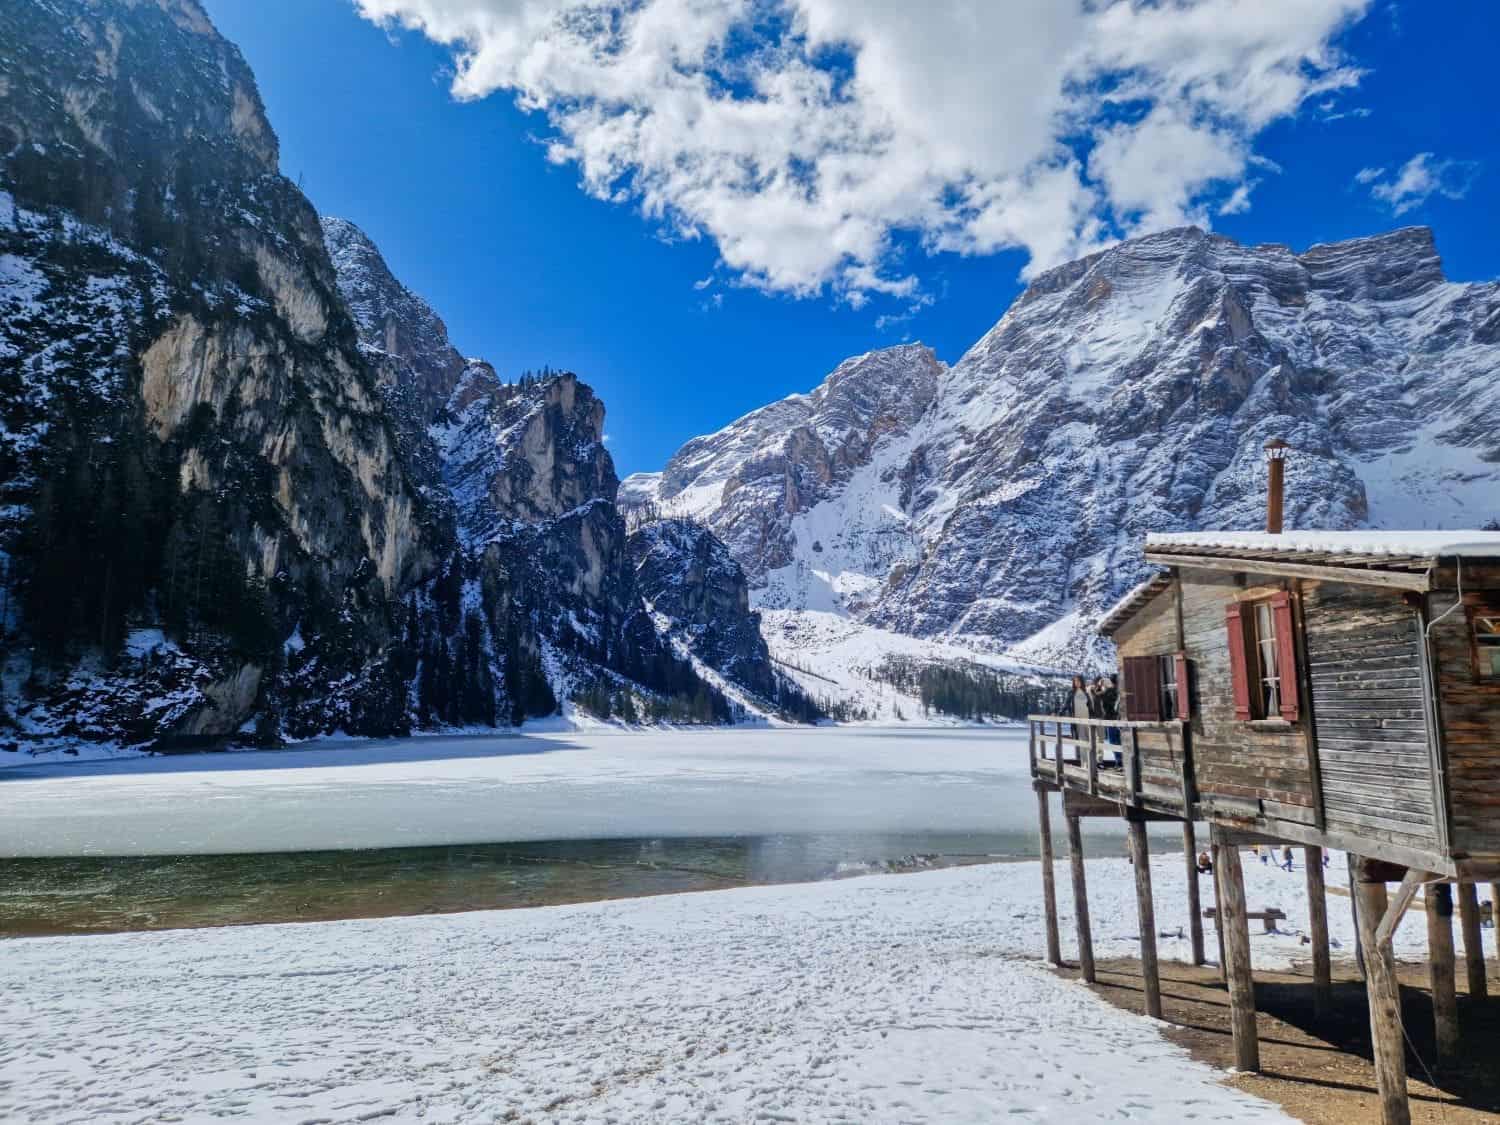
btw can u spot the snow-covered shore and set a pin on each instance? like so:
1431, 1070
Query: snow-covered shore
887, 998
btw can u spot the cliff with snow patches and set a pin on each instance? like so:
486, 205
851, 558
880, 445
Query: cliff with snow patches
250, 488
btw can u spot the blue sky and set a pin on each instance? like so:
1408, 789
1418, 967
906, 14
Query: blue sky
681, 333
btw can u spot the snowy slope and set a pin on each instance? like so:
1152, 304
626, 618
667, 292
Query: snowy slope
1123, 393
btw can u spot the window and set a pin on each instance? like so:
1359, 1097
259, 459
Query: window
1166, 674
1267, 656
1487, 643
1263, 657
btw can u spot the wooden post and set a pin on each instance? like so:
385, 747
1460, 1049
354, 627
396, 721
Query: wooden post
1317, 909
1140, 858
1049, 888
1495, 919
1351, 860
1081, 902
1440, 969
1094, 761
1468, 920
1385, 1005
1236, 927
1195, 906
1218, 862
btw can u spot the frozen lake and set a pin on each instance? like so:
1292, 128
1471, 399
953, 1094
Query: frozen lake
588, 786
376, 829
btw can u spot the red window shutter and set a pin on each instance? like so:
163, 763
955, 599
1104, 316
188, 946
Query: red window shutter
1150, 705
1286, 654
1239, 676
1133, 693
1127, 685
1180, 667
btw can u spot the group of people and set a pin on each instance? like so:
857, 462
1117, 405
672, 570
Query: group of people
1095, 699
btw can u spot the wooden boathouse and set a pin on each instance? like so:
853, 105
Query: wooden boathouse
1323, 689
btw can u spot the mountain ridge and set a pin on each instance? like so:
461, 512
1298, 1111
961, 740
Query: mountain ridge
1124, 392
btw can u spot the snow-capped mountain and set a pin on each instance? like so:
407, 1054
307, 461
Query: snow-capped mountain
1001, 503
250, 487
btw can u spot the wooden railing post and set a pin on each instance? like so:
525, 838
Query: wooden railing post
1094, 761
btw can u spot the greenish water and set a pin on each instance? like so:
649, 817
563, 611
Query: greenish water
105, 895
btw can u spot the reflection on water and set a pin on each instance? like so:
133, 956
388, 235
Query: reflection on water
97, 895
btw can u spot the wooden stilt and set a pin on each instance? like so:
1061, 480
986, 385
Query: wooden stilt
1140, 858
1440, 969
1081, 902
1359, 934
1195, 908
1317, 909
1218, 860
1377, 919
1236, 929
1495, 920
1049, 886
1468, 920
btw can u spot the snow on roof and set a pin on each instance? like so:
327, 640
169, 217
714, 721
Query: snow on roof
1374, 544
1137, 596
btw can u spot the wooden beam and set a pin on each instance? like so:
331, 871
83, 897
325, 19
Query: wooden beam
1216, 862
1236, 928
1195, 907
1385, 1004
1406, 894
1317, 909
1468, 921
1140, 858
1355, 576
1440, 972
1081, 902
1049, 887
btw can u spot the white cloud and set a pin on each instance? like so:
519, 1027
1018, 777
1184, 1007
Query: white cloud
1418, 180
804, 137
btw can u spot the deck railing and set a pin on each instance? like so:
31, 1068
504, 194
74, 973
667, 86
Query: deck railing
1079, 754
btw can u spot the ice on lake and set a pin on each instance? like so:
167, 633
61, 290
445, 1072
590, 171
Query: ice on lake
581, 786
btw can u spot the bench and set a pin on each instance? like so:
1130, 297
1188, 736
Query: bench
1267, 918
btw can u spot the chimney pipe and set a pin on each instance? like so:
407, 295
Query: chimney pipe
1276, 450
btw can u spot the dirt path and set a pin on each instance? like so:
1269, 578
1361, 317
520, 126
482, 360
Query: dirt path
1322, 1073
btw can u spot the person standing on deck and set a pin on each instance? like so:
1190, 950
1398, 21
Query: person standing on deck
1080, 704
1110, 698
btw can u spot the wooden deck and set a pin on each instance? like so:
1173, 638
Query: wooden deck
1147, 766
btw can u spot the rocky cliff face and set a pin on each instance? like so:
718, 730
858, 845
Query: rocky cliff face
192, 438
1126, 392
249, 487
549, 573
695, 588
